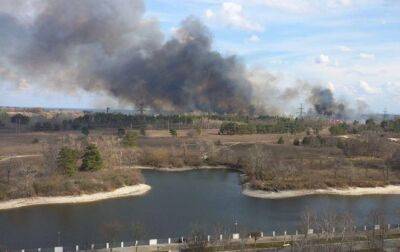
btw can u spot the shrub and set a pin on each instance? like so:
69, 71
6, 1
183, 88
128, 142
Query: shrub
156, 157
173, 132
130, 139
20, 118
35, 141
198, 130
233, 128
394, 160
67, 160
281, 141
228, 128
340, 129
92, 160
85, 131
121, 132
296, 142
143, 131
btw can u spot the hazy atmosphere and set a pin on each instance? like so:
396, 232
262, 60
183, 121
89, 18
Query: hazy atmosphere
155, 53
199, 125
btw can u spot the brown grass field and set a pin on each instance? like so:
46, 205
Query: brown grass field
28, 161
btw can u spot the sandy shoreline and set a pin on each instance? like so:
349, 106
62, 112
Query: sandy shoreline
84, 198
353, 191
185, 168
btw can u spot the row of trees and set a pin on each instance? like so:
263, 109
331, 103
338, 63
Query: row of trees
281, 126
370, 125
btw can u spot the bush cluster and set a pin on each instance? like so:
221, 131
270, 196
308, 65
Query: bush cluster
67, 160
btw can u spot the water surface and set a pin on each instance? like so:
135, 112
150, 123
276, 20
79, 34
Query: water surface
176, 204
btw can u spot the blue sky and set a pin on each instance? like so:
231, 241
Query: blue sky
349, 46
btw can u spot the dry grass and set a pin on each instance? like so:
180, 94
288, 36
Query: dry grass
283, 166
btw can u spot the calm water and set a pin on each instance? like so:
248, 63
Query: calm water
176, 203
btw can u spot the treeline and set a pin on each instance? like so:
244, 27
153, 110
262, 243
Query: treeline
245, 124
369, 125
276, 125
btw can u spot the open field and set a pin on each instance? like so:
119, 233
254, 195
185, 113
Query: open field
268, 166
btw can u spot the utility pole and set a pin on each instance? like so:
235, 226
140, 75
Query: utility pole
385, 115
141, 108
301, 111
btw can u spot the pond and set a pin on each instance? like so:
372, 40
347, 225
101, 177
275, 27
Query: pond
178, 203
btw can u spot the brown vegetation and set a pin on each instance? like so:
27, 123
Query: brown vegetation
315, 161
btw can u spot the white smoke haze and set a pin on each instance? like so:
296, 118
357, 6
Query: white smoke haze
108, 46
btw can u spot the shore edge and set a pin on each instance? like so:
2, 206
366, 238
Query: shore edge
184, 168
352, 191
125, 191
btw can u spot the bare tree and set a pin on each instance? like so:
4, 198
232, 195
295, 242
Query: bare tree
138, 231
197, 238
110, 230
376, 236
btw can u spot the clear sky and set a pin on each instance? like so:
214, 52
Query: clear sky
349, 46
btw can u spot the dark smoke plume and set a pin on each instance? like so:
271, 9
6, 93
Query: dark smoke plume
324, 103
108, 45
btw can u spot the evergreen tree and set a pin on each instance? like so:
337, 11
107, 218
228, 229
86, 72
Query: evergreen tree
173, 132
67, 160
91, 160
85, 131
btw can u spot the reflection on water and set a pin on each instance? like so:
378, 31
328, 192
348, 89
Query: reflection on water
176, 203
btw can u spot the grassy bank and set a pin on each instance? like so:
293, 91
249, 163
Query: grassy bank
313, 162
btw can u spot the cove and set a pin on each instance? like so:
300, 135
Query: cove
177, 202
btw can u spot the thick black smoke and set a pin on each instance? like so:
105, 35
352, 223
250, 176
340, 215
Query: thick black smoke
324, 103
108, 45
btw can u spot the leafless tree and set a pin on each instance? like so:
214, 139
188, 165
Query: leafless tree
308, 221
138, 231
376, 236
110, 230
197, 238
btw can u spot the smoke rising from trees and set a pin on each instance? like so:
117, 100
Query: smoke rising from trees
108, 45
325, 104
104, 45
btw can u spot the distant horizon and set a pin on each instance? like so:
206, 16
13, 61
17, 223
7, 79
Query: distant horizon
171, 113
